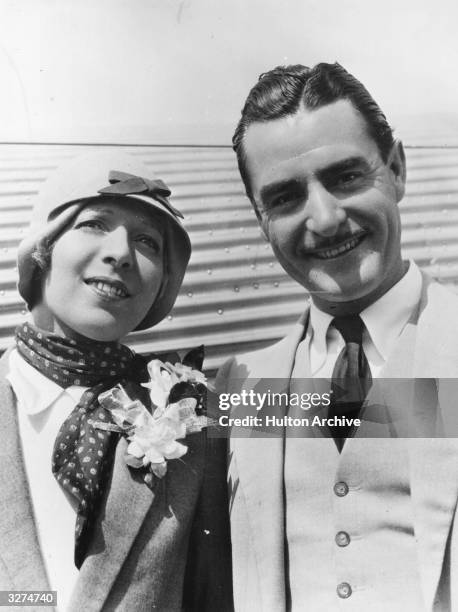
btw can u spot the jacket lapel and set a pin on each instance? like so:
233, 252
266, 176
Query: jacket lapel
434, 491
258, 466
19, 550
434, 461
127, 502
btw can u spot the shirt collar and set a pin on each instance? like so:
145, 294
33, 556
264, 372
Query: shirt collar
384, 319
34, 391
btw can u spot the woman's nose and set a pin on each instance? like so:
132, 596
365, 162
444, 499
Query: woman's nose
117, 248
324, 213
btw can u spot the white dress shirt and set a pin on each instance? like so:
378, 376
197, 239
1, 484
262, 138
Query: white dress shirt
42, 408
384, 321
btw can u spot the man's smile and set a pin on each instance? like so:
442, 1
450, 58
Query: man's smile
337, 247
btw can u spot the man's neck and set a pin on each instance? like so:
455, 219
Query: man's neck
339, 309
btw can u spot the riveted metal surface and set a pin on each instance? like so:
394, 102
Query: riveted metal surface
235, 296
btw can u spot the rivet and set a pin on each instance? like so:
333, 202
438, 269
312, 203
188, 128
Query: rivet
170, 317
190, 293
210, 233
236, 289
271, 265
209, 271
23, 313
220, 311
256, 285
276, 284
227, 250
247, 247
253, 266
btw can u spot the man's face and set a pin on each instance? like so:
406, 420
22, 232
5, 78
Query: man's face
328, 203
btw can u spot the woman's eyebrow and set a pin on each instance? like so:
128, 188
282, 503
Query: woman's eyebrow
144, 221
93, 210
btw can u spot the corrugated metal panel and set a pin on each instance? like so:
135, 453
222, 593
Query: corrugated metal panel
235, 296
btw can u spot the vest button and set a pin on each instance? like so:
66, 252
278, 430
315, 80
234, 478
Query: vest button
342, 538
344, 590
341, 489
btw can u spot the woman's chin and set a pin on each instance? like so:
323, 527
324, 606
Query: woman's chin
100, 329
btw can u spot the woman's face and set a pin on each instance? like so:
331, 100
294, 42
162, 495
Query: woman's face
106, 271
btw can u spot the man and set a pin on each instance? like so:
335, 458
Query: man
329, 518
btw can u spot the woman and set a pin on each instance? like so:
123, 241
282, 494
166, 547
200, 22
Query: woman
106, 255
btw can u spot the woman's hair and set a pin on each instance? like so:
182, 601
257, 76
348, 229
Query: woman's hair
42, 257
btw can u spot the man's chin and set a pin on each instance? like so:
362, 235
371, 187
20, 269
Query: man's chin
348, 286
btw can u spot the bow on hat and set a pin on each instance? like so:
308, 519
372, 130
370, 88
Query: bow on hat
123, 183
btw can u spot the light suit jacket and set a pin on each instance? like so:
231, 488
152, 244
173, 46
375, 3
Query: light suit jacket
149, 547
427, 348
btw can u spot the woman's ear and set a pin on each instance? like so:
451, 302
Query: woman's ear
397, 164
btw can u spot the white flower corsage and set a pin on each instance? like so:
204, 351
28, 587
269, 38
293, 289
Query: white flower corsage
177, 394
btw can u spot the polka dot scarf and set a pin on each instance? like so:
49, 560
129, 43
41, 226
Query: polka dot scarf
83, 455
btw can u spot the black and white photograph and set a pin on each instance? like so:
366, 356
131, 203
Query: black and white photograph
228, 306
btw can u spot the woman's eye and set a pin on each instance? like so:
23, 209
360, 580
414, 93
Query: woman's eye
90, 224
150, 242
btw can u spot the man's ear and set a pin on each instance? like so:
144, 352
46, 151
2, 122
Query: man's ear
261, 220
397, 164
263, 232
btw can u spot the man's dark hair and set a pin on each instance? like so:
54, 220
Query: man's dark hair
282, 91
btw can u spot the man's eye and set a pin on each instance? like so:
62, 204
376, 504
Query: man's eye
348, 179
283, 199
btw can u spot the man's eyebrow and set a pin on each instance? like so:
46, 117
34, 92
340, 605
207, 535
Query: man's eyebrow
270, 190
344, 164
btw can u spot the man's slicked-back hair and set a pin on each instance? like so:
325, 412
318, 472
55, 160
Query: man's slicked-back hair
284, 90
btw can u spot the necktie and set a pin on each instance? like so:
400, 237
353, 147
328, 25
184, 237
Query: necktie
351, 377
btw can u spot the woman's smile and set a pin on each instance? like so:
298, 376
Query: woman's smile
108, 289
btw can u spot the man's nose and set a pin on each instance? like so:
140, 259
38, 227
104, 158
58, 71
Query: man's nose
117, 248
324, 212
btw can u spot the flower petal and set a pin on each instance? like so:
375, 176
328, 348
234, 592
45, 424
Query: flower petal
159, 469
135, 449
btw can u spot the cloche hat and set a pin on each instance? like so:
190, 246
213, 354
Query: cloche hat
94, 176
